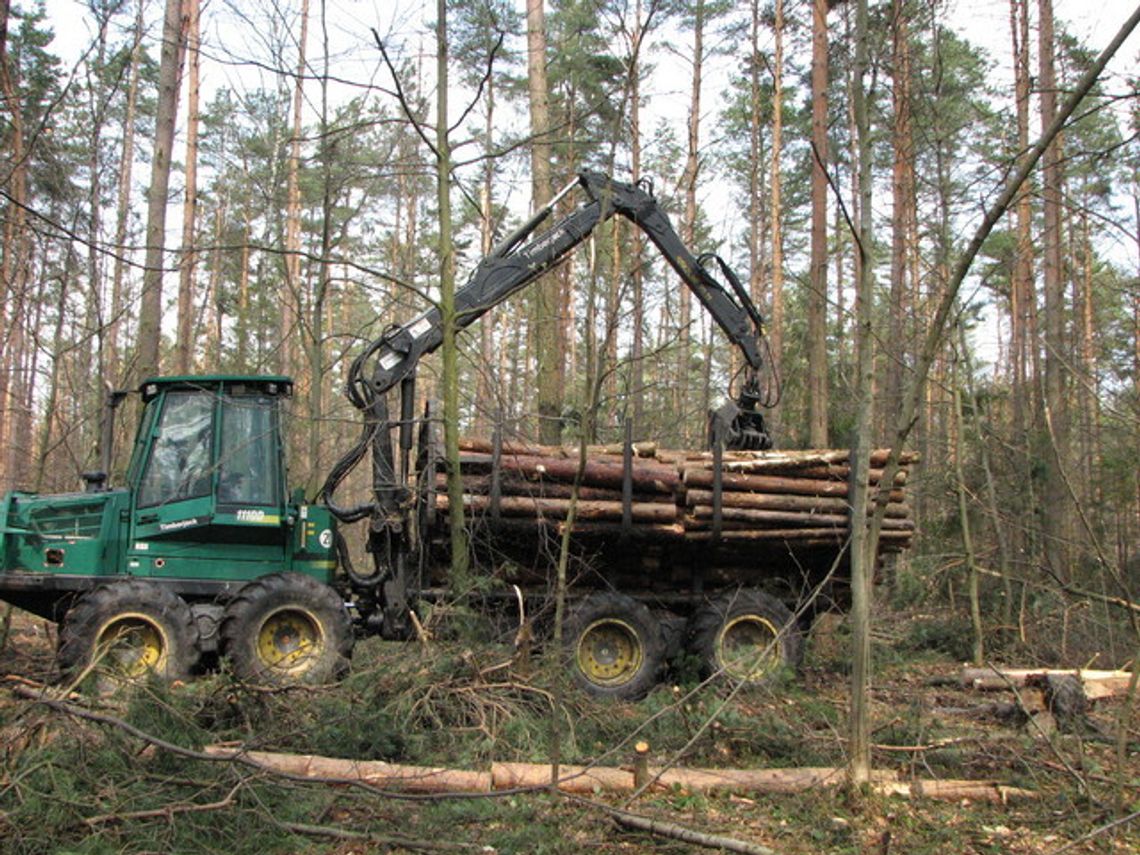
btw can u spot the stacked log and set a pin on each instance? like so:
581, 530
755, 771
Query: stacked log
793, 498
766, 498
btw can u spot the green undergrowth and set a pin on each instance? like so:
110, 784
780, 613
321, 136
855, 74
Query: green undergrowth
71, 785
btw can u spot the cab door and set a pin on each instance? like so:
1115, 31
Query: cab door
175, 487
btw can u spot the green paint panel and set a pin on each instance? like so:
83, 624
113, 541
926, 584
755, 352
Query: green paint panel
72, 533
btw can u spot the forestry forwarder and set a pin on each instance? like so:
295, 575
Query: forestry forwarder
206, 552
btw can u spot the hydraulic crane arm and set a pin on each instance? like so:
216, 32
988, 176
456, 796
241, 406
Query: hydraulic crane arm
515, 263
520, 259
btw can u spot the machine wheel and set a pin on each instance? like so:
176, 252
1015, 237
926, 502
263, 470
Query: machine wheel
616, 647
287, 629
128, 630
747, 634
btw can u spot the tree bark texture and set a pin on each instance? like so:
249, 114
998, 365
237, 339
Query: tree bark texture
150, 307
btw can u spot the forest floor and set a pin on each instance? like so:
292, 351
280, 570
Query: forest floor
72, 784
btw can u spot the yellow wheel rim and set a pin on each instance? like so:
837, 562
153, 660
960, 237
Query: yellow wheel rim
748, 647
289, 640
132, 644
609, 652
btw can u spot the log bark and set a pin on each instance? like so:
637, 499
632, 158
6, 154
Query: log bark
412, 779
818, 536
773, 484
1097, 684
656, 512
765, 501
485, 446
955, 790
585, 780
516, 485
701, 513
646, 476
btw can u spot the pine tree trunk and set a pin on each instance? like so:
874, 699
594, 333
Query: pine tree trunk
14, 260
114, 371
817, 368
313, 466
863, 547
776, 211
184, 346
1057, 507
546, 341
637, 246
689, 218
291, 301
459, 558
902, 193
150, 308
487, 391
961, 489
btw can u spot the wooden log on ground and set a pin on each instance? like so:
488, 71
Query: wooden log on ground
651, 477
528, 506
579, 779
585, 780
1097, 683
412, 779
571, 779
770, 502
955, 790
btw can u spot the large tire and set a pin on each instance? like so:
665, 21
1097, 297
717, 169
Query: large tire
287, 629
126, 631
615, 646
748, 635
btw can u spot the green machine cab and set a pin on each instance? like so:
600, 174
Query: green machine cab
205, 512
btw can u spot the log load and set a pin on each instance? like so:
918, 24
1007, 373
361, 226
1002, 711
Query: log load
758, 504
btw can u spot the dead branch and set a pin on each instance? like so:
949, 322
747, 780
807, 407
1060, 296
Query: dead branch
673, 831
167, 811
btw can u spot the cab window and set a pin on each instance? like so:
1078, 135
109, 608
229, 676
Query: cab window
179, 466
248, 470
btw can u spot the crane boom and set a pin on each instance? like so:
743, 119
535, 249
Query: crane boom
522, 257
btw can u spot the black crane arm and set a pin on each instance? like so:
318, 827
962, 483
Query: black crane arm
517, 261
520, 259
